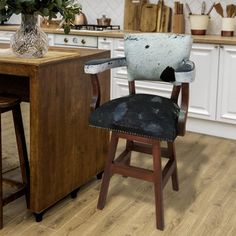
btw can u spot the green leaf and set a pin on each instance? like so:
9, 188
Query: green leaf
46, 12
66, 29
59, 3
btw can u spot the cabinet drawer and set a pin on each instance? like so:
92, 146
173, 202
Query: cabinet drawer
120, 72
105, 43
5, 36
76, 41
119, 44
51, 39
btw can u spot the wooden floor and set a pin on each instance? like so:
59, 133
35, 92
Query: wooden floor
205, 204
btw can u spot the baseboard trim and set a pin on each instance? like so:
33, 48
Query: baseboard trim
213, 128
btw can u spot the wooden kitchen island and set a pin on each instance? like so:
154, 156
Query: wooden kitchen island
64, 151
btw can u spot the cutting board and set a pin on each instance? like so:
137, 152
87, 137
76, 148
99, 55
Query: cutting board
148, 18
160, 6
132, 14
165, 25
164, 18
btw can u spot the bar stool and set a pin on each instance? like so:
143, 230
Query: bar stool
9, 102
145, 120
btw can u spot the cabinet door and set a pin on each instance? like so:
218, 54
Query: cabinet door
203, 91
226, 111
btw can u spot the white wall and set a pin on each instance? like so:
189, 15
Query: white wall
115, 9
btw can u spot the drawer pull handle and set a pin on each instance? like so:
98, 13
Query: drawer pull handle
83, 41
66, 40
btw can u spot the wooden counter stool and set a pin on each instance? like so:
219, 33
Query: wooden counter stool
10, 102
145, 120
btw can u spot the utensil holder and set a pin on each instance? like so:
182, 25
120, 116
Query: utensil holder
199, 24
178, 24
227, 27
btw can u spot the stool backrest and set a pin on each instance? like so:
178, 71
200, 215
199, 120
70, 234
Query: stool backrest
149, 54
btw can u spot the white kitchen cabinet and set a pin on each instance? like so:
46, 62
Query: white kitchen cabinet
119, 75
105, 43
5, 36
212, 96
50, 39
226, 102
203, 91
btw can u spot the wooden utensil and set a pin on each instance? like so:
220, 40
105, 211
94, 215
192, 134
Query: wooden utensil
203, 8
219, 9
178, 19
234, 14
230, 10
188, 8
210, 9
148, 18
159, 15
181, 8
176, 7
166, 19
132, 14
178, 24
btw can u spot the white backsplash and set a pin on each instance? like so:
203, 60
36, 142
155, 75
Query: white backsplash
114, 9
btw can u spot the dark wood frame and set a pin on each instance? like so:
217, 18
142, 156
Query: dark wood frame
59, 95
121, 164
22, 187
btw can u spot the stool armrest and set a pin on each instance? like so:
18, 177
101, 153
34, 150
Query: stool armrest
100, 65
185, 73
96, 92
183, 109
94, 67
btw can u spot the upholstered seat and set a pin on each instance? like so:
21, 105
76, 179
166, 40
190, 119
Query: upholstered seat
139, 114
145, 120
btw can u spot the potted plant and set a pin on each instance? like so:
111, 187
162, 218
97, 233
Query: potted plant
30, 40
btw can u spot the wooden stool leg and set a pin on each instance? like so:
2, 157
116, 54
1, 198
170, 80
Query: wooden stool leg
1, 192
157, 172
22, 150
107, 172
174, 176
128, 147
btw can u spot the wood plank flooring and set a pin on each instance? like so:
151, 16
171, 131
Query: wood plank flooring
205, 204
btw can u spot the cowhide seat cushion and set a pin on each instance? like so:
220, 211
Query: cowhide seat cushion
139, 114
